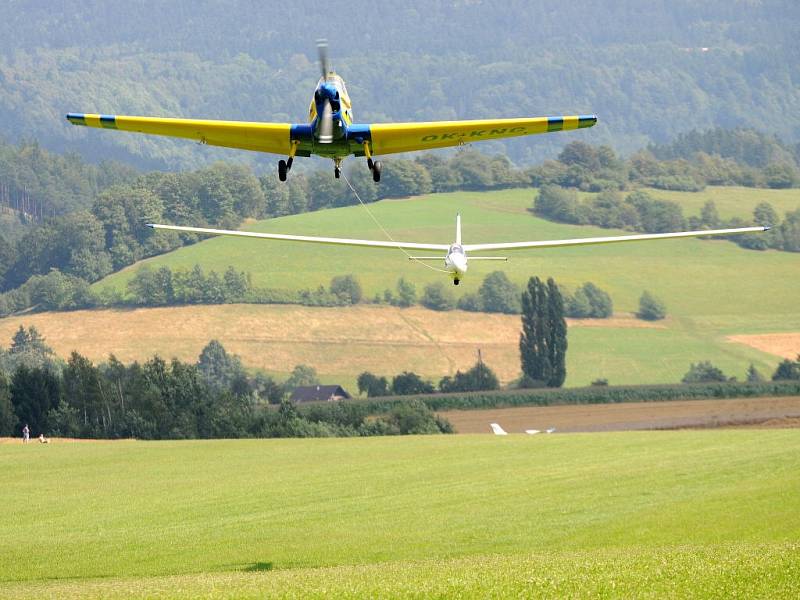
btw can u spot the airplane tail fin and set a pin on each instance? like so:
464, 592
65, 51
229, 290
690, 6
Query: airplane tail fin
497, 430
458, 229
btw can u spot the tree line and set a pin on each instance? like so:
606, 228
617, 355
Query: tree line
181, 286
158, 399
639, 211
478, 378
706, 372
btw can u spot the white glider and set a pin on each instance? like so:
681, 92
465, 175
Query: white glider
535, 431
455, 258
497, 429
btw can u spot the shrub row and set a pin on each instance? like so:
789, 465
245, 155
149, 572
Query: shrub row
586, 395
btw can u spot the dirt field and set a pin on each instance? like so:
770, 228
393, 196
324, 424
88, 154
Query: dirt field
766, 412
277, 337
785, 345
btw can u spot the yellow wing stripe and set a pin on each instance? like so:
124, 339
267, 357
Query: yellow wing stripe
389, 138
261, 137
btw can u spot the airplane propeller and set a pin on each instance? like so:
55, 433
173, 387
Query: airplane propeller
326, 117
322, 48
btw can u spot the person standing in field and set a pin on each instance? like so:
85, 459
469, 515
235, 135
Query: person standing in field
26, 434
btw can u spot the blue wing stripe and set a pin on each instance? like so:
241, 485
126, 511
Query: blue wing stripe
76, 118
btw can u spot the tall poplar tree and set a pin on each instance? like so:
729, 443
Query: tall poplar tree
557, 347
543, 341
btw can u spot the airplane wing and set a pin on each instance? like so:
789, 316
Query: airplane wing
262, 137
608, 240
305, 238
390, 138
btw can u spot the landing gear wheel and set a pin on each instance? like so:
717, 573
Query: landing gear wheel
376, 172
282, 169
456, 281
337, 172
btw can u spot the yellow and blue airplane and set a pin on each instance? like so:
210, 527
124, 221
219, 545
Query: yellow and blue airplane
330, 131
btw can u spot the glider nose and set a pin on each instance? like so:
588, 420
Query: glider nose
459, 263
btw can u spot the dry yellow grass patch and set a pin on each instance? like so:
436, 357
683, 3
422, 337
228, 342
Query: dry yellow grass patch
380, 339
785, 345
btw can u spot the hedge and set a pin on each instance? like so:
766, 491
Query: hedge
564, 396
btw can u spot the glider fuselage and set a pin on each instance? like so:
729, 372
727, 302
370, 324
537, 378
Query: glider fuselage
456, 261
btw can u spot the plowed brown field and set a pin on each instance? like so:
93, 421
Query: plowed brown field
768, 412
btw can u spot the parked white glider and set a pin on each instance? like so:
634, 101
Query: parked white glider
455, 258
497, 430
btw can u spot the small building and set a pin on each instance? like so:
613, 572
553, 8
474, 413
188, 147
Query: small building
319, 393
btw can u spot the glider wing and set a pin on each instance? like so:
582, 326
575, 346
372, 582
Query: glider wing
390, 138
304, 238
608, 240
261, 137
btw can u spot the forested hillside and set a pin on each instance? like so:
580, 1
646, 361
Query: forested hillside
650, 70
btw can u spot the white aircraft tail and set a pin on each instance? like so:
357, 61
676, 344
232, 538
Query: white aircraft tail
458, 229
497, 429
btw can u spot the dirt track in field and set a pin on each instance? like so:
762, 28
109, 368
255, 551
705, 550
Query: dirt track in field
750, 412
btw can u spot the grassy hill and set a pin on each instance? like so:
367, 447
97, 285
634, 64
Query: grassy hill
684, 514
712, 289
694, 277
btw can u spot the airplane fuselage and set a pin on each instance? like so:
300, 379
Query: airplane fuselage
347, 140
456, 261
330, 131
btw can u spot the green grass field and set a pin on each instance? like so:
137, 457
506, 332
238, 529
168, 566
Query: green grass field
712, 513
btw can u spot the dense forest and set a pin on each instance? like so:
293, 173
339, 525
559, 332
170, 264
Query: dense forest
650, 70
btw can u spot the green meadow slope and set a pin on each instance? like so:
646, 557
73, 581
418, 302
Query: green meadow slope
711, 513
712, 289
694, 277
